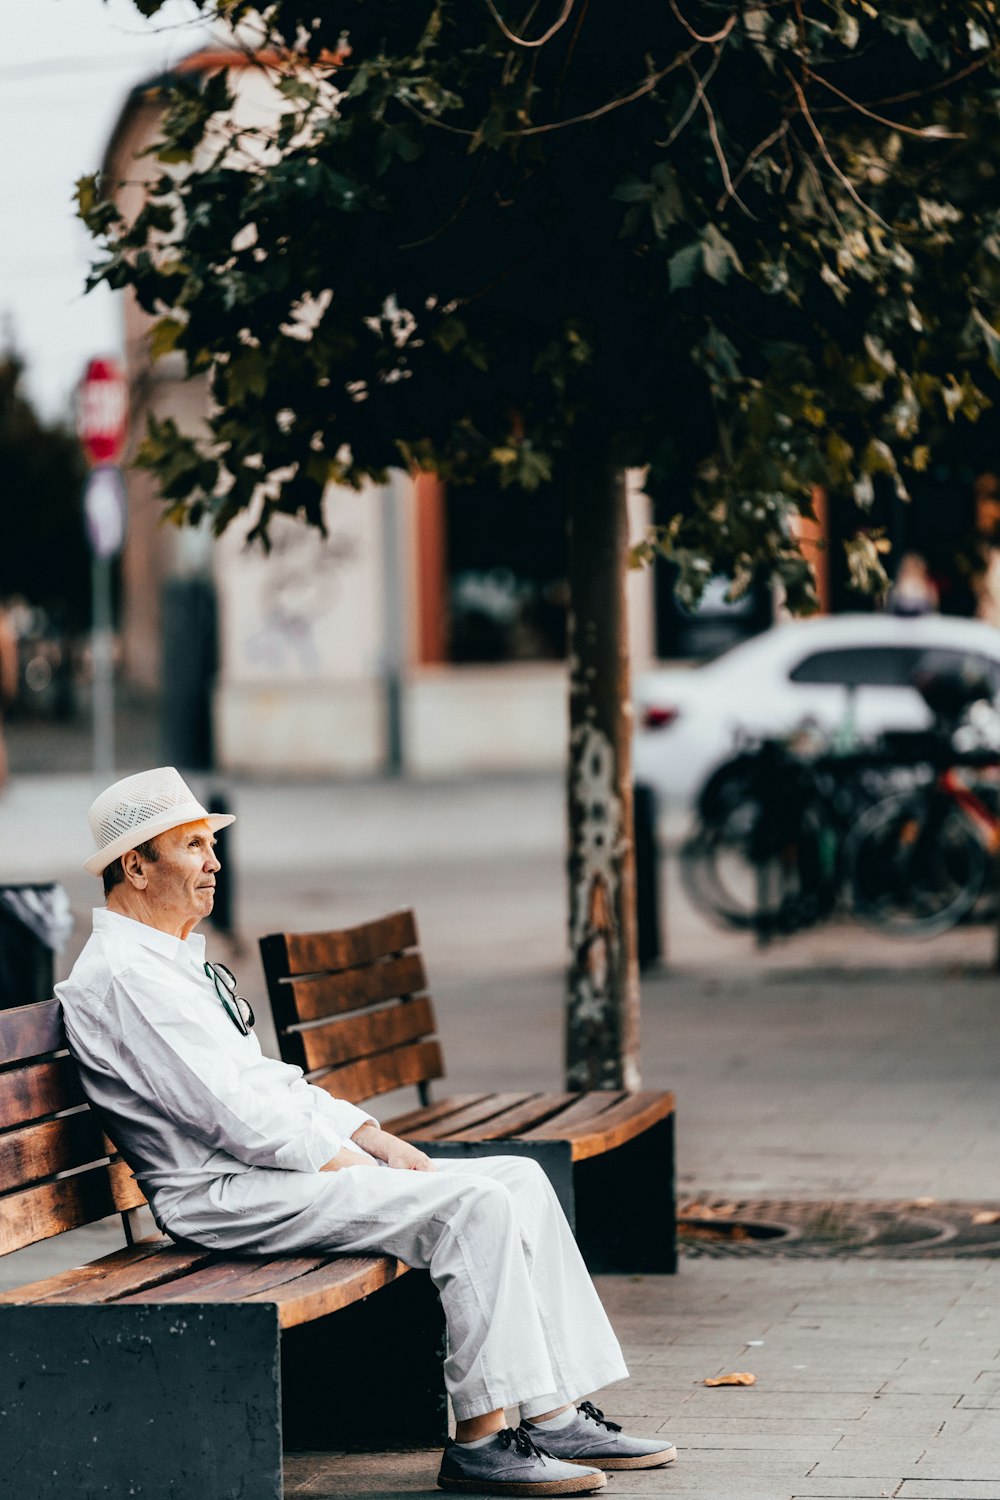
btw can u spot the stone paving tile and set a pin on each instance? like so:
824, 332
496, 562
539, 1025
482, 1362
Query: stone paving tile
952, 1489
960, 1461
799, 1441
362, 1474
870, 1461
757, 1404
804, 1455
849, 1489
771, 1479
791, 1381
765, 1410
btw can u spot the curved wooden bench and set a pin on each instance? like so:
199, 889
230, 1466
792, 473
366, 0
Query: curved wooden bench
166, 1369
350, 1009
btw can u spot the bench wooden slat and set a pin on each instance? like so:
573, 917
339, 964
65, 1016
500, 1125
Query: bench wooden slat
337, 1284
588, 1105
37, 1213
482, 1116
321, 952
519, 1118
30, 1030
590, 1135
143, 1264
39, 1089
125, 1191
231, 1279
414, 1063
37, 1151
351, 989
431, 1114
362, 1036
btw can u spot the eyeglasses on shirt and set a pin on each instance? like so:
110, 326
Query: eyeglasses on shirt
239, 1011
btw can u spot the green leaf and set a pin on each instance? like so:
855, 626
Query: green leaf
916, 37
246, 375
991, 339
632, 190
684, 265
297, 90
720, 256
85, 196
163, 337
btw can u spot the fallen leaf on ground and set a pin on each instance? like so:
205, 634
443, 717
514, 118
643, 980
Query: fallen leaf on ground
738, 1377
986, 1216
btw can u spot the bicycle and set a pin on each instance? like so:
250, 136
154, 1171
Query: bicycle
917, 862
766, 852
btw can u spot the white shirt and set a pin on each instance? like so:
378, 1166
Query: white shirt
185, 1096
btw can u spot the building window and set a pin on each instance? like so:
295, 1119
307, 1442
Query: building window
505, 574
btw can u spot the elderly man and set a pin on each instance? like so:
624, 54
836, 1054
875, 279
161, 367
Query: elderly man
236, 1151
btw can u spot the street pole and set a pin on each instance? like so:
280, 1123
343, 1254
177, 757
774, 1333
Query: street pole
102, 657
102, 424
393, 627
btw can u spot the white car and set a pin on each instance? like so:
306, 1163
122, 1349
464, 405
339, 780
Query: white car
850, 675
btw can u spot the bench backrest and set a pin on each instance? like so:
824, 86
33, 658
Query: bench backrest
58, 1170
349, 1009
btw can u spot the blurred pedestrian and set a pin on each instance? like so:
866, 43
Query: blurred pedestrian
914, 591
986, 578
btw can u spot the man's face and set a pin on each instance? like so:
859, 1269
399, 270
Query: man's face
181, 883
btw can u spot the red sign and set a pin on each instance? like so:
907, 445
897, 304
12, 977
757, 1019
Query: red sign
102, 412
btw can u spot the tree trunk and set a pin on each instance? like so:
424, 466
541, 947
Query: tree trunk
602, 1014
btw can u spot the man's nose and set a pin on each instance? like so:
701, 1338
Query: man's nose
213, 862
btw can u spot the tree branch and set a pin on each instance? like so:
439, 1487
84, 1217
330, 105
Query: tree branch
713, 131
718, 36
594, 114
838, 172
758, 150
520, 41
926, 132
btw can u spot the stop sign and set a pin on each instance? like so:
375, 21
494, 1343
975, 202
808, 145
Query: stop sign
102, 412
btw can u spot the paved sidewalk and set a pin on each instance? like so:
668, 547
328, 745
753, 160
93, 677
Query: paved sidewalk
837, 1066
873, 1379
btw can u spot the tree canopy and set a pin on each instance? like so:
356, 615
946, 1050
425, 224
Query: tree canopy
755, 246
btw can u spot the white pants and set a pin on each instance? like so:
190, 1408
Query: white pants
524, 1320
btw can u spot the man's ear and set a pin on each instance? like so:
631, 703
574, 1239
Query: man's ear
134, 870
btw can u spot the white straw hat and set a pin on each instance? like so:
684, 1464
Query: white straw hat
138, 808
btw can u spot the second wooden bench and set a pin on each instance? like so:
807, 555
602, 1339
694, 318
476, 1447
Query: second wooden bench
350, 1008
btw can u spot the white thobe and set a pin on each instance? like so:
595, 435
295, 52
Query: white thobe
227, 1145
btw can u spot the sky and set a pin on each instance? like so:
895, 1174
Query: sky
66, 68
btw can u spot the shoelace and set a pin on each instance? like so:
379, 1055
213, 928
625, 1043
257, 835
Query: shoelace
523, 1442
588, 1409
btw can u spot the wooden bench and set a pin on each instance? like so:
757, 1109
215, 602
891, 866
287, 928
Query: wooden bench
165, 1369
350, 1009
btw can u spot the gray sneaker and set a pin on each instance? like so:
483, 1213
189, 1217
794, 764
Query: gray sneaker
591, 1439
513, 1465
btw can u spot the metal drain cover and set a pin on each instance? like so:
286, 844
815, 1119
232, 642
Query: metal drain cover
911, 1228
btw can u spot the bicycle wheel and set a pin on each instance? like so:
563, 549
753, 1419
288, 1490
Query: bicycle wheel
915, 866
719, 876
743, 875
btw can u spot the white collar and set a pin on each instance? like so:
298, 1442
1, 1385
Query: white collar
127, 929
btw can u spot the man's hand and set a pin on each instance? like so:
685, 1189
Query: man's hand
345, 1157
390, 1149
